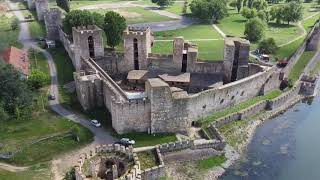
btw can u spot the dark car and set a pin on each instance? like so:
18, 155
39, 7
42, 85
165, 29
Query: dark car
51, 97
125, 142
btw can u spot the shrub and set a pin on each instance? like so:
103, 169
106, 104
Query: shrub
268, 46
254, 30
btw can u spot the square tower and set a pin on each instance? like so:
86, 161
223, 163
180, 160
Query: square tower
52, 20
41, 7
137, 46
88, 42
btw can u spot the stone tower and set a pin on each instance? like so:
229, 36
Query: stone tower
31, 4
88, 42
137, 46
41, 7
236, 57
52, 20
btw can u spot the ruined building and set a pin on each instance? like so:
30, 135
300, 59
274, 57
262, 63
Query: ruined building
147, 92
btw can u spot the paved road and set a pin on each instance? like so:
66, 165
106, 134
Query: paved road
101, 135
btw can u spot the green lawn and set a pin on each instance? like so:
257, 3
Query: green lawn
37, 29
8, 37
287, 50
136, 15
238, 107
210, 49
211, 162
300, 65
308, 24
78, 4
36, 172
143, 139
17, 135
177, 7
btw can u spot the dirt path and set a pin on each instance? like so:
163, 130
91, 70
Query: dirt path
12, 168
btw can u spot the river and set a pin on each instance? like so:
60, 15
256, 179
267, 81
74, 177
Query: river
283, 148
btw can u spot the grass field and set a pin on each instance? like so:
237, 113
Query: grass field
18, 135
136, 15
37, 29
8, 37
39, 171
177, 7
300, 65
210, 162
210, 43
143, 139
238, 107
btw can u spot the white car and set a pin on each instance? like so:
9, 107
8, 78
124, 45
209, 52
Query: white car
95, 123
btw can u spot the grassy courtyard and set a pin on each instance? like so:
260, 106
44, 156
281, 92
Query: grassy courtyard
210, 43
136, 15
143, 139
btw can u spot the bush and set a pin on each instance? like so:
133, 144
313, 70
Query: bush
114, 25
268, 46
37, 79
15, 24
254, 29
248, 13
207, 10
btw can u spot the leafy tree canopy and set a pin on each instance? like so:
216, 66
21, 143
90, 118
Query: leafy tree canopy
268, 46
213, 10
114, 25
254, 29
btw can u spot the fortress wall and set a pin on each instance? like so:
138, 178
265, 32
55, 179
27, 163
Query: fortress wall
133, 116
207, 67
254, 69
295, 57
209, 101
284, 98
67, 44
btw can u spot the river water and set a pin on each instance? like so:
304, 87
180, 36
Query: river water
284, 148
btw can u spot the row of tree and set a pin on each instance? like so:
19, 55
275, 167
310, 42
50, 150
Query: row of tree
112, 23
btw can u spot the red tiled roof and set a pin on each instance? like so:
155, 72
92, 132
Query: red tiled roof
17, 58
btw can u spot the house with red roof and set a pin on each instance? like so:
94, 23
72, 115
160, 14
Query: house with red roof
17, 58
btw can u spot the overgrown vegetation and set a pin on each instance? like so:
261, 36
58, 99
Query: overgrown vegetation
210, 162
300, 65
147, 159
8, 37
38, 171
238, 107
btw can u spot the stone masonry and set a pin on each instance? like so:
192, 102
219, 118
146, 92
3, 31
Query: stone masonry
52, 19
41, 7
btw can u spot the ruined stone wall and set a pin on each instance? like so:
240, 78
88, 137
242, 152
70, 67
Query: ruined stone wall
31, 4
133, 116
156, 172
314, 42
168, 114
89, 90
143, 39
67, 44
52, 20
285, 97
209, 101
41, 7
295, 57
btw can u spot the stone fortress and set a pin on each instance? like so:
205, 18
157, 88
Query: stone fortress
147, 92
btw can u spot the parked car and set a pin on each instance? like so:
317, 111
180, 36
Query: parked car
95, 123
51, 97
125, 142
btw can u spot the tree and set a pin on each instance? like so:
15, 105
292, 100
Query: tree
213, 10
276, 14
259, 4
262, 15
15, 96
233, 4
162, 3
185, 7
254, 29
14, 24
64, 4
248, 13
98, 19
77, 18
292, 12
114, 25
37, 79
239, 5
268, 46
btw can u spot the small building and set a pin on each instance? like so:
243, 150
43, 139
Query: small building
18, 59
50, 43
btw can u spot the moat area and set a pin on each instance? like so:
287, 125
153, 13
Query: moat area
283, 148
